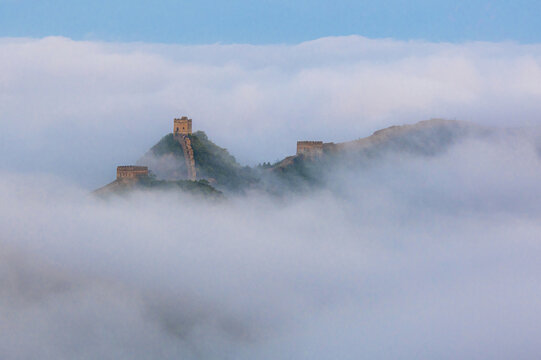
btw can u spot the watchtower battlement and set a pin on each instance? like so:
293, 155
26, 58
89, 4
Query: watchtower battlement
131, 172
310, 148
182, 126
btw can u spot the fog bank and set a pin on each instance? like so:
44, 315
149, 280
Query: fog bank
77, 109
412, 258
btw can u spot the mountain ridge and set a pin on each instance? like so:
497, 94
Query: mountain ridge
221, 171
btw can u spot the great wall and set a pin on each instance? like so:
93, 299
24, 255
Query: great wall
131, 172
309, 150
182, 129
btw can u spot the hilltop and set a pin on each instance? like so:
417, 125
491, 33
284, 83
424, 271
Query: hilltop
427, 138
221, 169
192, 162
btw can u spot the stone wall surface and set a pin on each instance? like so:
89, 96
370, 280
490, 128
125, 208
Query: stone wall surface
182, 126
310, 148
131, 172
187, 149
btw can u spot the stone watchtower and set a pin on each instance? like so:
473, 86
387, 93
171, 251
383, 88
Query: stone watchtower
310, 148
131, 172
182, 126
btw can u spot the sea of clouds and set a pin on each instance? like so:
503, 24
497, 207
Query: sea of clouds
409, 258
79, 108
419, 258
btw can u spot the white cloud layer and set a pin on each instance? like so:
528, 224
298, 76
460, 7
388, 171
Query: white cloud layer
432, 258
416, 258
77, 109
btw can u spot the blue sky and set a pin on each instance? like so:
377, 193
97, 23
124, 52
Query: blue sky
271, 21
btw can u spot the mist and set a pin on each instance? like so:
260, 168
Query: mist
77, 109
410, 257
404, 256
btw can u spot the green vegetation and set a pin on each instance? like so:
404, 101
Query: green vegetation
201, 187
294, 173
211, 161
198, 188
214, 162
265, 165
167, 145
300, 174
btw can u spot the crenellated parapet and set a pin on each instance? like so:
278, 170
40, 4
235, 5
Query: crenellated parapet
131, 172
182, 126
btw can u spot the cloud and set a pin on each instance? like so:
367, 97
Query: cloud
414, 257
78, 108
433, 257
